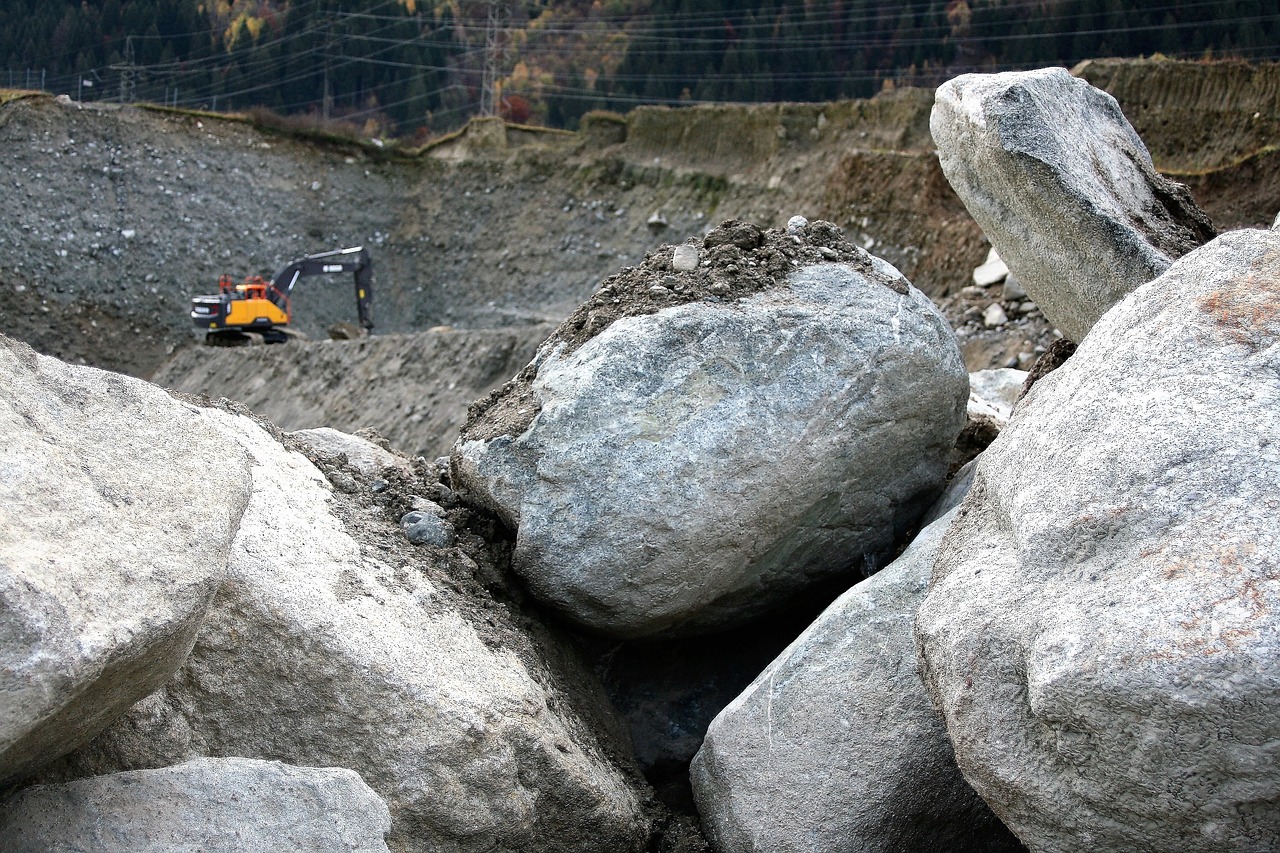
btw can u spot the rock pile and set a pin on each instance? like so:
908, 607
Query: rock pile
1078, 652
1099, 630
281, 619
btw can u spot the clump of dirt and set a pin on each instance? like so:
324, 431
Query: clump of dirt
734, 261
1053, 358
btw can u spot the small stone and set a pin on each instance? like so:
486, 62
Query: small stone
657, 221
659, 290
993, 271
427, 528
685, 258
342, 481
994, 316
828, 253
1013, 288
795, 223
972, 292
379, 485
719, 289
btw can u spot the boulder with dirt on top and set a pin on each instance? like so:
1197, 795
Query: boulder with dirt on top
1064, 189
1103, 631
223, 805
692, 447
336, 642
117, 511
836, 745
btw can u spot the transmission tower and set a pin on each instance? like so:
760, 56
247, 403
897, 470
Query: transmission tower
493, 45
128, 74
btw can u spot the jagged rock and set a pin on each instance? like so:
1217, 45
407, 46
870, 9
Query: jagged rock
685, 258
691, 468
1103, 633
836, 745
225, 805
1012, 289
324, 649
994, 392
117, 512
992, 271
994, 316
1064, 189
363, 455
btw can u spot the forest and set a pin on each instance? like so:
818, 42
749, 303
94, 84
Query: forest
405, 67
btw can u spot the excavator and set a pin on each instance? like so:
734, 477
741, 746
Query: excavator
258, 311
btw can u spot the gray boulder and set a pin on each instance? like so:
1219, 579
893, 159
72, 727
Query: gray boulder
836, 745
117, 512
1103, 632
332, 645
226, 805
1064, 189
692, 467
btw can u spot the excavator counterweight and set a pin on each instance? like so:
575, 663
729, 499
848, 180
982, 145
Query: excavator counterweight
260, 309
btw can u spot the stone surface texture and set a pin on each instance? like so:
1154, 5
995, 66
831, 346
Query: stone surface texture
691, 468
1064, 189
836, 745
226, 805
1103, 632
117, 511
319, 652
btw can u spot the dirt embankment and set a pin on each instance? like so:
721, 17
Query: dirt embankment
413, 389
1214, 126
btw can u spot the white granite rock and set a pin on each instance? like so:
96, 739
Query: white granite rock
1064, 189
223, 805
323, 651
836, 745
117, 510
1103, 632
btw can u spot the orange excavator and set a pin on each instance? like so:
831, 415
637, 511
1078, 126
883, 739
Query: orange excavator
258, 311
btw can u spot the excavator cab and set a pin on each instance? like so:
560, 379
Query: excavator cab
259, 311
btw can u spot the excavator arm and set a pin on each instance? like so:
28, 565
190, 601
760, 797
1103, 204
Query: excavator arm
354, 260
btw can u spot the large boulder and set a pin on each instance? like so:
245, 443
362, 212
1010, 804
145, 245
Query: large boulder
226, 805
117, 511
836, 745
335, 642
1064, 189
689, 466
1103, 633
